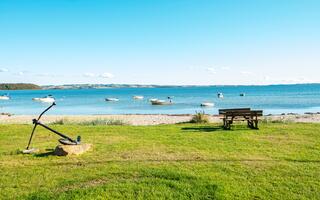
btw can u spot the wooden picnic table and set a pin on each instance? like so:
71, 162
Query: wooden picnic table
240, 114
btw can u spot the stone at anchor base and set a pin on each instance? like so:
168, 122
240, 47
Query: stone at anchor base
66, 150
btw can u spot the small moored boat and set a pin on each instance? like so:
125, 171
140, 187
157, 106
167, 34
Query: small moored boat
112, 99
207, 104
46, 99
4, 97
138, 97
161, 102
242, 94
220, 95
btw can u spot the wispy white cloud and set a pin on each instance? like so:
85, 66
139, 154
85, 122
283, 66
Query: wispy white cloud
89, 74
43, 74
225, 68
106, 75
48, 75
103, 75
214, 70
267, 78
296, 80
3, 70
246, 73
211, 70
21, 73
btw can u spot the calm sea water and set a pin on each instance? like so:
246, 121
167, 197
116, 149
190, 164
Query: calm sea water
272, 99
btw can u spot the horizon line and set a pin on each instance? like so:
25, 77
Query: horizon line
167, 85
182, 85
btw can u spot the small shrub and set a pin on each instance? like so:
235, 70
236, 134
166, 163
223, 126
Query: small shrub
200, 118
59, 122
116, 122
95, 122
98, 122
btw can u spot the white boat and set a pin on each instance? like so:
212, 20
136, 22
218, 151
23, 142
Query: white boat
207, 104
112, 99
138, 97
220, 95
47, 99
242, 94
4, 97
151, 100
160, 102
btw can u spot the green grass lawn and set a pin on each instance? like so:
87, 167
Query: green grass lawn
185, 161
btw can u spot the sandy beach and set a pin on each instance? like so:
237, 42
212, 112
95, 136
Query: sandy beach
148, 119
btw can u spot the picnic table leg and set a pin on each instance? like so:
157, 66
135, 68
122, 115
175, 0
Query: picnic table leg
227, 125
256, 124
250, 124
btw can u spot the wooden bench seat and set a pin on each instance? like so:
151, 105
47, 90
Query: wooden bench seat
240, 114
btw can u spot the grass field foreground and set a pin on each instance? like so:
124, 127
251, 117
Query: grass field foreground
185, 161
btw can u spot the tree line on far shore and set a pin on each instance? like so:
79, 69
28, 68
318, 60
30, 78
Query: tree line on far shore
19, 86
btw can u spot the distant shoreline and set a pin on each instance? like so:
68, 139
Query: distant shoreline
29, 86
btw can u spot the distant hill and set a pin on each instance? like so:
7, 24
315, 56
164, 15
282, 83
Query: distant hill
19, 86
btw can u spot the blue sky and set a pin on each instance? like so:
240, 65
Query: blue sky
196, 42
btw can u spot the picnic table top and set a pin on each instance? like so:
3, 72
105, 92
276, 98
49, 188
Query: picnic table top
240, 112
